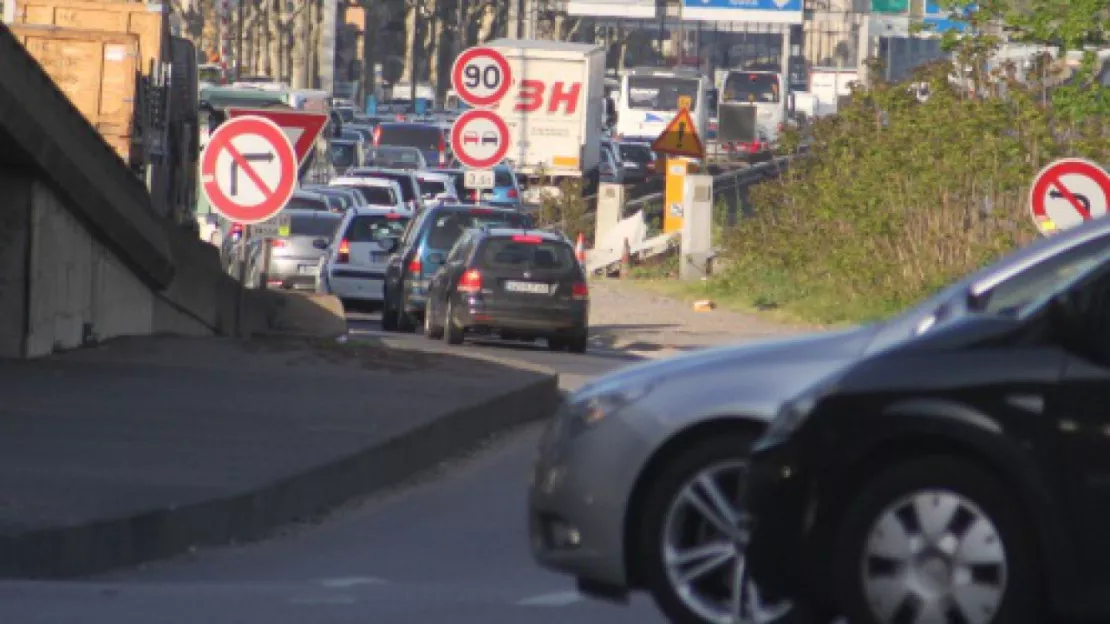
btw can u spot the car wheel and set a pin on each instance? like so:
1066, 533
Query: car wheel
431, 329
389, 317
935, 539
556, 344
451, 330
693, 536
579, 343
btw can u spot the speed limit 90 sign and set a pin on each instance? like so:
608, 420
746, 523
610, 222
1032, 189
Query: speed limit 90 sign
481, 76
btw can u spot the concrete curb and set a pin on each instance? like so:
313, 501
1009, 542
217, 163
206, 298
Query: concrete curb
102, 545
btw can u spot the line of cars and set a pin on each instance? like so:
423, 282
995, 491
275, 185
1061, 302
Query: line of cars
950, 464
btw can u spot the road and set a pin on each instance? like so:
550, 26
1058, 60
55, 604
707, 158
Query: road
449, 546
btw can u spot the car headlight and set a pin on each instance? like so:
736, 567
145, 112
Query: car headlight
580, 414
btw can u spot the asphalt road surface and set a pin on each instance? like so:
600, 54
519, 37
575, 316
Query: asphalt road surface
449, 546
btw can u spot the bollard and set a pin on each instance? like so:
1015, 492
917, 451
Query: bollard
626, 259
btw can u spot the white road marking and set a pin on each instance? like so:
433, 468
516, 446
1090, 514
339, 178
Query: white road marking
351, 581
553, 599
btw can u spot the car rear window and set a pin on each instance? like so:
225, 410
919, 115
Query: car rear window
304, 203
636, 153
505, 253
431, 188
421, 137
377, 195
502, 178
449, 225
394, 158
343, 155
403, 179
317, 225
369, 228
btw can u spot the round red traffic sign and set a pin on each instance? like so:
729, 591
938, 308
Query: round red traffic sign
1067, 193
248, 170
481, 76
480, 139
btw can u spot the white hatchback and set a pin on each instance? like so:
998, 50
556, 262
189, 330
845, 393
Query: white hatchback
436, 187
378, 192
353, 269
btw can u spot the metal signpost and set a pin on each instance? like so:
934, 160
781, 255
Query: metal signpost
1068, 193
480, 138
248, 173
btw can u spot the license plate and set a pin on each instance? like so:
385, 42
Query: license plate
306, 269
528, 287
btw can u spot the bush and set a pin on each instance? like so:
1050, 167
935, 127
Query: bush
900, 196
566, 210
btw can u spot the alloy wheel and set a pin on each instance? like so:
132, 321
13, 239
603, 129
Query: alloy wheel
705, 533
934, 556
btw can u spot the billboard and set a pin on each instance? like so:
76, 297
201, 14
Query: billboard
939, 19
636, 9
890, 6
764, 11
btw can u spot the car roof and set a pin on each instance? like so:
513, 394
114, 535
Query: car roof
303, 194
344, 141
380, 210
364, 181
482, 207
301, 212
433, 175
360, 171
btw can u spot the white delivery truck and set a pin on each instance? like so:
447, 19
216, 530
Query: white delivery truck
554, 110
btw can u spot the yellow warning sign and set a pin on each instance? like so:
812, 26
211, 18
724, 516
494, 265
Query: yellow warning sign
680, 137
685, 101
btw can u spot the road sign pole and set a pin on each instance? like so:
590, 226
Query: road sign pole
264, 272
240, 300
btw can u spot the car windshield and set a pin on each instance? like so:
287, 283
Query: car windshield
370, 228
507, 253
1030, 288
450, 225
313, 225
425, 138
343, 155
377, 195
746, 87
661, 93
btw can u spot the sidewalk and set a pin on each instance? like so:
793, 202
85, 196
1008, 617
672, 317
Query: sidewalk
144, 448
626, 318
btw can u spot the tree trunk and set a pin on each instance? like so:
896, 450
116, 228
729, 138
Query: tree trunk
299, 53
250, 15
315, 30
432, 49
486, 23
370, 24
410, 36
274, 34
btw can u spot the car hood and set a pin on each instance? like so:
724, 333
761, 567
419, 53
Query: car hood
751, 379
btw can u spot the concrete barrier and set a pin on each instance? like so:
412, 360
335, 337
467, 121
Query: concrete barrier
293, 313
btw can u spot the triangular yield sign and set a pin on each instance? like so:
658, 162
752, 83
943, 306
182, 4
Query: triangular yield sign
302, 128
680, 137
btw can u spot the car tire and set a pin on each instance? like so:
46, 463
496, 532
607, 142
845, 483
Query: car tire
666, 517
579, 343
432, 331
405, 321
981, 515
556, 344
452, 333
389, 318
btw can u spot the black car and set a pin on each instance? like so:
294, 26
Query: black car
430, 139
962, 475
424, 247
520, 284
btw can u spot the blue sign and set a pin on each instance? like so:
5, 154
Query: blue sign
940, 19
371, 105
780, 11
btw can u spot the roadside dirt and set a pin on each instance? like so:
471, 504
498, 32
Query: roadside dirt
627, 318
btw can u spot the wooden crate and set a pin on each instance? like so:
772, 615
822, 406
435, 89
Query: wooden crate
96, 70
144, 20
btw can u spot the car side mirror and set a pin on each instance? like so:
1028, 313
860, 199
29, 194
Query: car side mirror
436, 258
320, 243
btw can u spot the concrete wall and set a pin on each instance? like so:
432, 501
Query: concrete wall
15, 211
80, 291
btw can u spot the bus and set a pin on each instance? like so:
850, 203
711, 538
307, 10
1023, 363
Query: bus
649, 98
764, 90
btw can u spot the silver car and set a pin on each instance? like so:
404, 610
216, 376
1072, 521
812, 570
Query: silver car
294, 256
640, 474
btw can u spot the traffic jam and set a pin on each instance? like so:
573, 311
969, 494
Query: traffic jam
945, 465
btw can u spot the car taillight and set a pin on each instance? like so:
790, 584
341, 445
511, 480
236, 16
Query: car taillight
580, 291
415, 267
236, 228
531, 240
442, 151
277, 242
470, 282
344, 254
392, 216
377, 136
481, 211
474, 195
512, 193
